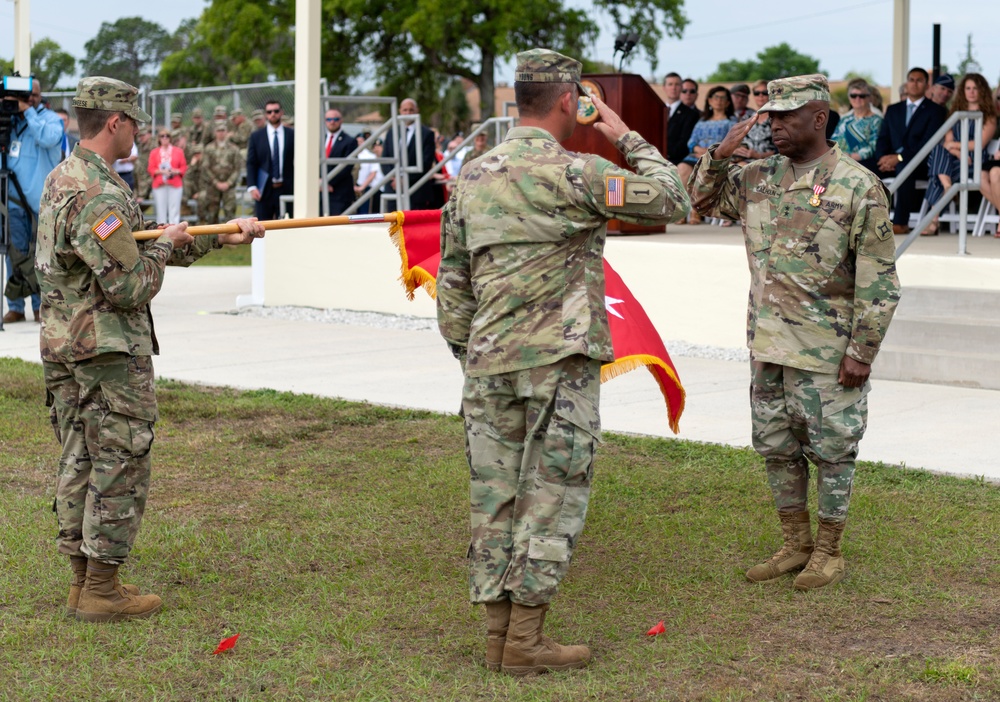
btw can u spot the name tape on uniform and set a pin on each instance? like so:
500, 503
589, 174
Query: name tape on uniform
107, 226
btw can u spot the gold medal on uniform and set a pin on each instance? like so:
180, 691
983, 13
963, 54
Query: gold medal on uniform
817, 191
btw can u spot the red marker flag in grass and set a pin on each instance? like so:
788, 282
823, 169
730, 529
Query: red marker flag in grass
226, 644
658, 629
417, 235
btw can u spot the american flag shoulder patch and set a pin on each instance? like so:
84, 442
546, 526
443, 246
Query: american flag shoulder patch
614, 191
107, 226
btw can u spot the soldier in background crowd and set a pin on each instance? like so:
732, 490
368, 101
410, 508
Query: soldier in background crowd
480, 145
197, 130
193, 186
221, 168
176, 120
97, 345
257, 117
823, 288
521, 304
143, 181
239, 130
218, 115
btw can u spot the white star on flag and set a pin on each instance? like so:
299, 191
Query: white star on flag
609, 303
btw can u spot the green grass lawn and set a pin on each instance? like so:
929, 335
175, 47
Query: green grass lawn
226, 256
331, 536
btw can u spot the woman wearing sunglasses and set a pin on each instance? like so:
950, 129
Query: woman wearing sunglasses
858, 130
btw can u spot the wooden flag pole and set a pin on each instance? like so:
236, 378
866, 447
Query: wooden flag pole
272, 224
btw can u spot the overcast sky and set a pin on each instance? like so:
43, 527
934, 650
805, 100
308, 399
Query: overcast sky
855, 36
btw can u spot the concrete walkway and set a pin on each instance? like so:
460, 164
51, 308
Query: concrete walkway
939, 428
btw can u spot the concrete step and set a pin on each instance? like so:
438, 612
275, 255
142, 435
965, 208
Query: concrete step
948, 302
923, 365
952, 334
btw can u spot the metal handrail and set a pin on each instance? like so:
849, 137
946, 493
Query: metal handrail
962, 187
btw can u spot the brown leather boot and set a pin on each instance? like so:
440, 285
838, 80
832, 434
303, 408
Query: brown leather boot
497, 621
79, 566
826, 566
529, 651
793, 555
104, 599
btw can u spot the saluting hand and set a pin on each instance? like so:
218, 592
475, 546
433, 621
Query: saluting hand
737, 133
610, 124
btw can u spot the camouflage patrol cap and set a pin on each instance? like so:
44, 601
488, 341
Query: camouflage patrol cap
221, 125
220, 110
235, 112
547, 66
787, 94
101, 93
196, 112
257, 114
176, 117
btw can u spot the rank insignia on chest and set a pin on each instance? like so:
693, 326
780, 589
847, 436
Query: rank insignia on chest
614, 192
817, 191
106, 226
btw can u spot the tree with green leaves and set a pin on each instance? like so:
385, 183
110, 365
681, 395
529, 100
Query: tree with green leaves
773, 62
129, 49
413, 46
214, 49
49, 63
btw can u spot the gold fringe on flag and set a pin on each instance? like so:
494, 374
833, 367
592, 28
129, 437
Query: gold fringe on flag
411, 277
625, 364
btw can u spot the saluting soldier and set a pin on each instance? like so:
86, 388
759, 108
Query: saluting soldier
823, 289
521, 304
97, 345
221, 169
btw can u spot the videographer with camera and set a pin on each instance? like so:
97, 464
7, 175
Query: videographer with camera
36, 134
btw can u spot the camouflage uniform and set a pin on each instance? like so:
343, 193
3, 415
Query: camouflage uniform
521, 302
220, 163
197, 132
823, 284
194, 186
143, 181
239, 134
97, 339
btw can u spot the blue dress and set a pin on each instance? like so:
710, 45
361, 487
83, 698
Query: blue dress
706, 133
940, 161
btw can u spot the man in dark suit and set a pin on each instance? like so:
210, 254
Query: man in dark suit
430, 195
683, 115
338, 144
907, 126
271, 163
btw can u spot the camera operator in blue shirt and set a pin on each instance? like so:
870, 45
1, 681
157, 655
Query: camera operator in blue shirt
36, 139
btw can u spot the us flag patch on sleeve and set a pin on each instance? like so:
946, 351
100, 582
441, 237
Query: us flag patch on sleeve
614, 192
106, 226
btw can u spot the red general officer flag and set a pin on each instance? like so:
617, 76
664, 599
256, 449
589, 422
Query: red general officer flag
417, 235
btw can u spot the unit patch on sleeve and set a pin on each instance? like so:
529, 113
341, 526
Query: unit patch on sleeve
107, 226
614, 193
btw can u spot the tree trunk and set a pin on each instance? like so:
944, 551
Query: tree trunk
487, 86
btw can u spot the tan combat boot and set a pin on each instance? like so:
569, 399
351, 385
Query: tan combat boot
529, 651
79, 566
826, 566
497, 621
104, 599
793, 555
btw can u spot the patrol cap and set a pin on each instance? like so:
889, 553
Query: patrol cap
945, 80
257, 114
176, 134
220, 125
176, 117
237, 111
547, 66
101, 93
742, 88
787, 94
220, 110
196, 112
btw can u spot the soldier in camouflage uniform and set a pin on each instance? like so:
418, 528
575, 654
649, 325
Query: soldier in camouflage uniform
239, 132
194, 186
823, 290
198, 131
221, 168
97, 341
521, 304
143, 181
218, 115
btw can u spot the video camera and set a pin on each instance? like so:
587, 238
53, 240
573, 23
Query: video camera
12, 89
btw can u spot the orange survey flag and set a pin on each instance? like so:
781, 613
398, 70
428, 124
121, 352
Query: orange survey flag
417, 235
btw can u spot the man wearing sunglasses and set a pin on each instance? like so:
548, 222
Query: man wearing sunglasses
271, 163
337, 144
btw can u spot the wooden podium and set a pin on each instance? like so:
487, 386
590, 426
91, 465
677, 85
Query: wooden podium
640, 107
